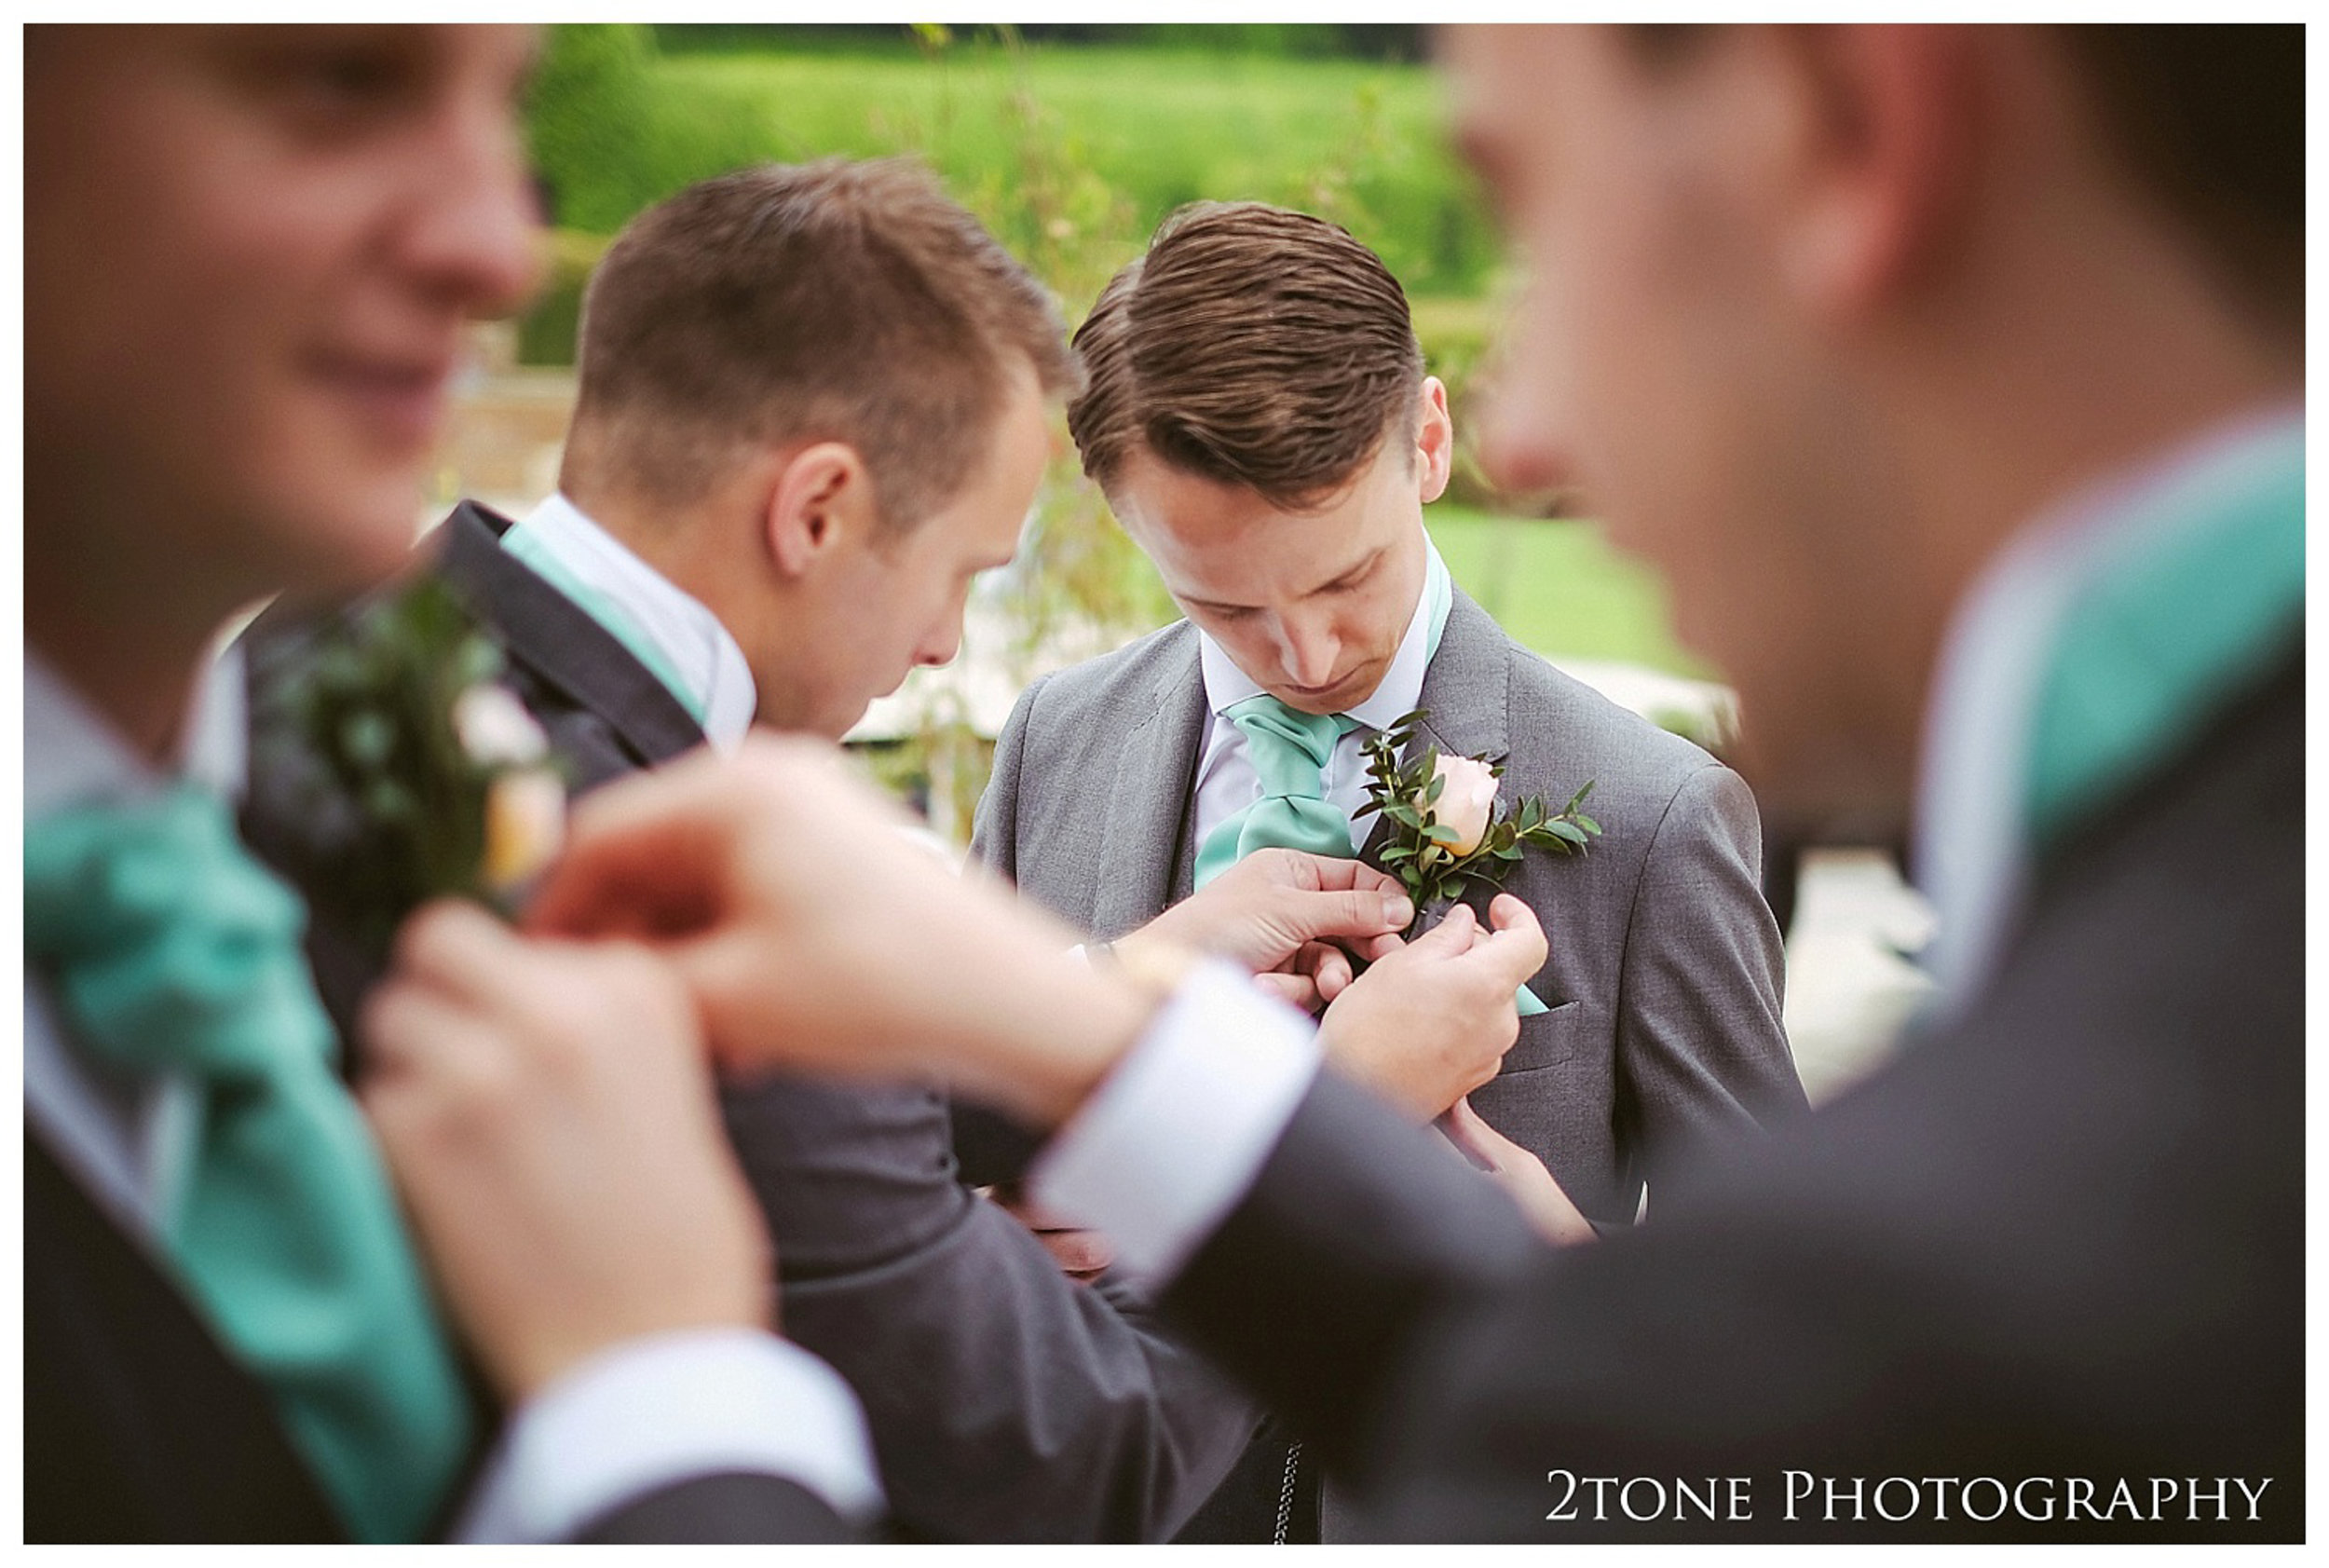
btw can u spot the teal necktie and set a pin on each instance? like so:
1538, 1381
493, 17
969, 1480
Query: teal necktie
1290, 750
169, 949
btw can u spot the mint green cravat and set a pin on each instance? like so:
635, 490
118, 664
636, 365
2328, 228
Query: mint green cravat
2147, 647
1290, 750
169, 949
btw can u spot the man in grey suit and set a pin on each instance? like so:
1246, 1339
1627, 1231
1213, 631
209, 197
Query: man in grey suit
1257, 412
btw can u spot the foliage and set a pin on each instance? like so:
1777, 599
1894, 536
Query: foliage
618, 124
1420, 849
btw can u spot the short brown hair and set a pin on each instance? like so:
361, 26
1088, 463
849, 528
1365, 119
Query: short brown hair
1249, 346
829, 301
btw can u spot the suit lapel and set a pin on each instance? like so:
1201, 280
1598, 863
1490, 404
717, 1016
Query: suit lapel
1467, 689
559, 642
1142, 846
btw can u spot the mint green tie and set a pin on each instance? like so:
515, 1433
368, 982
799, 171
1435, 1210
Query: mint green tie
1290, 750
169, 949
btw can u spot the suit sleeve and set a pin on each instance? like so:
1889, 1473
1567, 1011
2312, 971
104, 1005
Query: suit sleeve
1006, 1402
1702, 1055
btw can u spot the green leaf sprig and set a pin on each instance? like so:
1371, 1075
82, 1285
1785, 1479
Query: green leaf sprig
1421, 851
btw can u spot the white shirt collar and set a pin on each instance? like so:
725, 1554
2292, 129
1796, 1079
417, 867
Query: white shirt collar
702, 651
1970, 846
1401, 688
73, 753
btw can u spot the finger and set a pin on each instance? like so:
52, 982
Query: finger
1334, 874
1487, 1147
1374, 949
460, 949
1309, 916
1327, 965
1516, 946
407, 1026
1079, 1252
644, 855
1299, 990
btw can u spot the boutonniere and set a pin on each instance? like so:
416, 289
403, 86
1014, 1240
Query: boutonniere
437, 781
1448, 828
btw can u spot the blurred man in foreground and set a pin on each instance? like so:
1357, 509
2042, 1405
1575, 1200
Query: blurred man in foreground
1955, 378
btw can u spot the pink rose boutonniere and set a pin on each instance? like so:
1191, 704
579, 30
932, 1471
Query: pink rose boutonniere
1446, 828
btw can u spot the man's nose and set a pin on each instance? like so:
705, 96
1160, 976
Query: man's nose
1520, 447
943, 642
1307, 651
475, 240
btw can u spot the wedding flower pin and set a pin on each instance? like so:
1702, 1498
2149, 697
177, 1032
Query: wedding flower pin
1446, 829
435, 781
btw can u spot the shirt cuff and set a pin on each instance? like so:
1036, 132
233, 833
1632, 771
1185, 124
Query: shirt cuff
662, 1409
1178, 1132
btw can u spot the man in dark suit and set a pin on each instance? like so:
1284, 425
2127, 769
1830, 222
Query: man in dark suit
1256, 409
813, 402
250, 256
1955, 377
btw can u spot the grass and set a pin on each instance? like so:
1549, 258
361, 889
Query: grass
1560, 589
1362, 142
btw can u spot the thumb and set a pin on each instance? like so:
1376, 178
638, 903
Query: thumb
1451, 937
1515, 944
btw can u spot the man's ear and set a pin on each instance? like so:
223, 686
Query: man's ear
823, 497
1434, 442
1890, 137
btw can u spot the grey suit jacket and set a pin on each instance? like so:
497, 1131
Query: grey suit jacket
1006, 1402
1663, 982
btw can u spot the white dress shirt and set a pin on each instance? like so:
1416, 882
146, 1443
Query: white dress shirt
627, 1420
686, 644
1226, 781
1178, 1133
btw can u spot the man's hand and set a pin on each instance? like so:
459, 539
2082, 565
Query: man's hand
1282, 910
547, 1112
1081, 1253
1520, 1173
1430, 1023
815, 934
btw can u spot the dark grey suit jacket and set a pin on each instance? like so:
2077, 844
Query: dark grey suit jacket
1006, 1402
2061, 1238
1664, 977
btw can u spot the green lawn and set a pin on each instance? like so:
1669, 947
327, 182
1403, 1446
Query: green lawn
1560, 589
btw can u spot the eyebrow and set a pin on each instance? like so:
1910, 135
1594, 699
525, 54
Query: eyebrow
1372, 560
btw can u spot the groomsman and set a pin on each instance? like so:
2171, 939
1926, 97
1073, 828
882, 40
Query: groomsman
1256, 409
250, 257
813, 402
1956, 379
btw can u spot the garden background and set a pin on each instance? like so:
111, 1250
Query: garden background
1070, 143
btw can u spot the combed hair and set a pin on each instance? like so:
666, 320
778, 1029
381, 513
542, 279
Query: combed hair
1249, 346
839, 300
